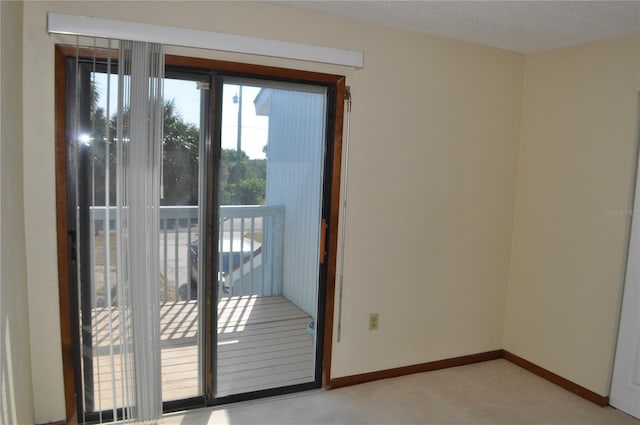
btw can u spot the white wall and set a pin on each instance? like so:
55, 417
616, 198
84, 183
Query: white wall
432, 176
16, 401
435, 132
576, 171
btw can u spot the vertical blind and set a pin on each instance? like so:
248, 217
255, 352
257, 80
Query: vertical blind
118, 152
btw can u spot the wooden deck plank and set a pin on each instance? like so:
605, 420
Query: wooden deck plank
262, 343
264, 356
255, 365
247, 344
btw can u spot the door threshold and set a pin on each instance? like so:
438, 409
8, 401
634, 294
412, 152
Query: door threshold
238, 404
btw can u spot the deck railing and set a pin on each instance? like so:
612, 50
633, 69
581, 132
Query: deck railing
250, 252
251, 245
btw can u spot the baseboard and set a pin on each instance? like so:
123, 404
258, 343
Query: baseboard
346, 381
60, 422
579, 390
556, 379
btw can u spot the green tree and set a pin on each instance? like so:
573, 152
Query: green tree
180, 158
242, 180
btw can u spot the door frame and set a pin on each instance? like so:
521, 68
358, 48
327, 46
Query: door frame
331, 205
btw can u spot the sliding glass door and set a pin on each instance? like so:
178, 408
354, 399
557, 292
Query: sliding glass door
94, 153
246, 167
185, 127
271, 171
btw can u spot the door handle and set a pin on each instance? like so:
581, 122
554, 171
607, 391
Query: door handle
323, 240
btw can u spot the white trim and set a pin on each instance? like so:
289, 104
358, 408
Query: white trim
110, 28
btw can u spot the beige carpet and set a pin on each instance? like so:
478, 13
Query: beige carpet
495, 392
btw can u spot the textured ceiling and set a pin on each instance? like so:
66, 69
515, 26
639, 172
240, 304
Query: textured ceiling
521, 26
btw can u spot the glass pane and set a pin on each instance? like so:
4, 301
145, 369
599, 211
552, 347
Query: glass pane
179, 243
270, 191
179, 240
97, 235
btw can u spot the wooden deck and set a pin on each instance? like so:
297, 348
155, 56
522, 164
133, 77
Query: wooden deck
262, 343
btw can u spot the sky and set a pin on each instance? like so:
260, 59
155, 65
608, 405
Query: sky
186, 96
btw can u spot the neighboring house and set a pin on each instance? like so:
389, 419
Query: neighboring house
294, 179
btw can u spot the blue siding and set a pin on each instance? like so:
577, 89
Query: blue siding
294, 180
